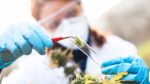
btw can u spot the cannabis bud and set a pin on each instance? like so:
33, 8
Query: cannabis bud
78, 42
60, 58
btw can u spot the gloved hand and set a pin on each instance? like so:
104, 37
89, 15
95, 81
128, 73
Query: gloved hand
20, 39
135, 66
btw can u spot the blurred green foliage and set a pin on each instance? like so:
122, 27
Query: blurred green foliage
144, 51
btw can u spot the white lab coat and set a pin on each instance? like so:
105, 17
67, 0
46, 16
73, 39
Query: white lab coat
35, 69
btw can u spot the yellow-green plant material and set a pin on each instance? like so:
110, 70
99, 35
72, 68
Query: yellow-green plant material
88, 79
60, 58
78, 42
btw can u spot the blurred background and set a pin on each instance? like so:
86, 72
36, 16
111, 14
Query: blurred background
129, 19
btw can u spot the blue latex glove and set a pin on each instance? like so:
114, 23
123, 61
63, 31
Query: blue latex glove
136, 68
20, 39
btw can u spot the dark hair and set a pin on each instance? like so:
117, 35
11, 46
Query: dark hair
98, 38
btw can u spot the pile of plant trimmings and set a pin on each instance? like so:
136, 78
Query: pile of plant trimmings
88, 79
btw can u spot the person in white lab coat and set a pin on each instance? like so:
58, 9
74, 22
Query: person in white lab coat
72, 21
68, 22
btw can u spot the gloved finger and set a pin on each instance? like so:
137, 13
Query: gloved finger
21, 42
9, 44
123, 67
130, 77
33, 39
44, 38
143, 73
5, 56
112, 62
129, 59
118, 60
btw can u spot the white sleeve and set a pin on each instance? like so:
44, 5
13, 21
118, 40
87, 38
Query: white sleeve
117, 46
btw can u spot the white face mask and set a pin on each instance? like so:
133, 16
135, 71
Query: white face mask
73, 26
